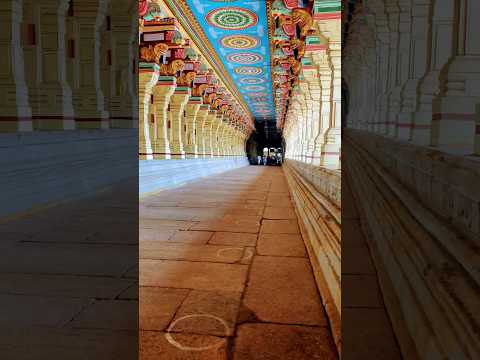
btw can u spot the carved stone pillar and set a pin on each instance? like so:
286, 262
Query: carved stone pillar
50, 94
456, 108
191, 127
201, 130
216, 133
123, 108
209, 129
148, 78
88, 97
177, 106
440, 51
417, 129
14, 102
331, 148
163, 92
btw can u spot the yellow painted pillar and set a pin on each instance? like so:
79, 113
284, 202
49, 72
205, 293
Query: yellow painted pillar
177, 106
148, 78
332, 143
16, 113
50, 94
88, 97
216, 130
123, 105
202, 117
209, 132
163, 92
191, 128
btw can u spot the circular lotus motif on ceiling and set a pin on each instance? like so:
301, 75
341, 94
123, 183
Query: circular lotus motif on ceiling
232, 18
239, 42
248, 70
254, 88
245, 58
252, 81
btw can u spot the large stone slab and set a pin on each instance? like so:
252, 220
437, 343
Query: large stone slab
280, 227
207, 312
158, 346
283, 290
193, 275
190, 252
234, 239
281, 245
108, 314
158, 306
278, 342
364, 326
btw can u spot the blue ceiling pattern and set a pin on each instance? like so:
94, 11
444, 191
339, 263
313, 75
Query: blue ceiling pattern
238, 31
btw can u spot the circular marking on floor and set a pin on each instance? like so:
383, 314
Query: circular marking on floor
239, 42
245, 58
248, 254
180, 346
232, 18
220, 252
248, 70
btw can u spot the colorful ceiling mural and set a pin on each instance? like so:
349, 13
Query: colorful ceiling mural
238, 31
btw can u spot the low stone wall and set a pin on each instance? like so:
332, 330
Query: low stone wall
419, 208
156, 175
41, 168
316, 194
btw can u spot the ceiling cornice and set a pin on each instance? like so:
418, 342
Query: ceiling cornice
184, 15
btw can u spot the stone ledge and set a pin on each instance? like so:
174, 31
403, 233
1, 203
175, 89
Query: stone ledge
425, 266
320, 225
63, 165
446, 184
157, 175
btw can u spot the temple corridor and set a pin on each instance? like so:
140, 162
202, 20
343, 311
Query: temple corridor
224, 269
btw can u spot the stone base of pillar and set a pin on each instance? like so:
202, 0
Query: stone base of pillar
330, 156
191, 151
15, 124
91, 123
176, 150
453, 132
161, 150
51, 123
123, 123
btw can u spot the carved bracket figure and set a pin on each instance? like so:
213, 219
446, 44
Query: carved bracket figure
153, 53
172, 68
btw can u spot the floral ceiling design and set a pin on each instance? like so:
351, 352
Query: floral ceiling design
238, 31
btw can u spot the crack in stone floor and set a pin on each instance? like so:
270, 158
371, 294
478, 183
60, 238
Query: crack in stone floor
224, 273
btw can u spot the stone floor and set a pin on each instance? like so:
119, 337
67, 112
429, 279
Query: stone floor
69, 280
224, 273
366, 329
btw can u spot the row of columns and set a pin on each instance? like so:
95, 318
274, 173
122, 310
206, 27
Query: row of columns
173, 124
413, 72
312, 128
67, 66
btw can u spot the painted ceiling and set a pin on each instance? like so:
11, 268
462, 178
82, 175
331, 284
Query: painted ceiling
238, 31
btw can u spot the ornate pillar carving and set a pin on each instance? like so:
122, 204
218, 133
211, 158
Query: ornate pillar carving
16, 110
148, 78
163, 92
177, 106
191, 128
88, 97
202, 130
122, 100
